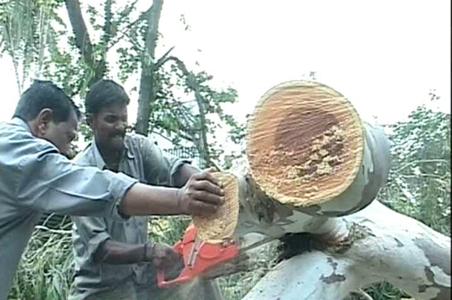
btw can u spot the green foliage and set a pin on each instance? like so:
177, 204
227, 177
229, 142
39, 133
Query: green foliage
46, 269
419, 181
50, 47
25, 30
167, 230
178, 119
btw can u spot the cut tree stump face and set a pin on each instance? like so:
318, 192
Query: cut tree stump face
305, 143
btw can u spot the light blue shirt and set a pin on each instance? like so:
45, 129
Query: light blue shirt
143, 160
36, 178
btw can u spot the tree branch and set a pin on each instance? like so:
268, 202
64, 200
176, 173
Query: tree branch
147, 91
163, 59
126, 30
101, 65
422, 161
82, 39
193, 85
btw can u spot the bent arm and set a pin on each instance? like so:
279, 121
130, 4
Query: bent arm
117, 253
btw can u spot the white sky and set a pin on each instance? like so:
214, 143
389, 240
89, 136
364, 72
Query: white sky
382, 55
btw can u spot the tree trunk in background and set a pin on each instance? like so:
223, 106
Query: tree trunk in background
83, 40
314, 168
147, 91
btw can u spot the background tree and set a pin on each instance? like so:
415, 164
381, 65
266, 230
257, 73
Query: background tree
77, 54
136, 41
419, 182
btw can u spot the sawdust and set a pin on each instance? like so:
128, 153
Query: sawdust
325, 155
323, 158
221, 224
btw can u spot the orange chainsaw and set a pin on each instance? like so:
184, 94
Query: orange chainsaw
200, 256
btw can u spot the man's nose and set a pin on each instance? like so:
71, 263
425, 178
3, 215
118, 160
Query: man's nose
121, 126
74, 136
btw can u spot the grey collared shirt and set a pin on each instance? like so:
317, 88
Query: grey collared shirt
36, 178
143, 160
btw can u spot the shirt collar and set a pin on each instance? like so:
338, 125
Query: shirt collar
21, 123
100, 163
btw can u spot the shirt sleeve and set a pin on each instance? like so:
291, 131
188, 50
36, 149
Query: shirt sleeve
50, 182
161, 168
92, 231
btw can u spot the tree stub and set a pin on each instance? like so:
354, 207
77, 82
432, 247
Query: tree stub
305, 143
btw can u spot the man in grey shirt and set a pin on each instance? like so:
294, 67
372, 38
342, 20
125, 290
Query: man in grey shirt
36, 178
109, 261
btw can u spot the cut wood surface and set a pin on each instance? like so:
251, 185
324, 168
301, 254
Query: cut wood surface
222, 223
305, 143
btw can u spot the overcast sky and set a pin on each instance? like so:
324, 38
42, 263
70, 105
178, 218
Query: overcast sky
383, 55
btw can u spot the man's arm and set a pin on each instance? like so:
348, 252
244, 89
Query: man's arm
112, 252
119, 253
50, 182
201, 195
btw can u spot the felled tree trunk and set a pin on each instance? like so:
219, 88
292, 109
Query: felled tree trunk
314, 167
371, 246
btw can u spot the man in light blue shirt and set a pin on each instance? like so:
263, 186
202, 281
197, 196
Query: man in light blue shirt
36, 178
109, 260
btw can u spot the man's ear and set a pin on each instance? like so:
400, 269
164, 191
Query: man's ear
43, 119
90, 120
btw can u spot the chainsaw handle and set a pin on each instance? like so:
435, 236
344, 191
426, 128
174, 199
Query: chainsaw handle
178, 247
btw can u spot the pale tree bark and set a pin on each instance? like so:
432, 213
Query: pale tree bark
147, 91
319, 180
371, 246
83, 40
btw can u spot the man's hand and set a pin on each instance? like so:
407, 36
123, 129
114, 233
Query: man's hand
164, 258
201, 195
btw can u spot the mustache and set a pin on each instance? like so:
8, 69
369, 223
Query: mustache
118, 134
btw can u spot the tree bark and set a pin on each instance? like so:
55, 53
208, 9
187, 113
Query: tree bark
83, 41
147, 91
371, 246
82, 38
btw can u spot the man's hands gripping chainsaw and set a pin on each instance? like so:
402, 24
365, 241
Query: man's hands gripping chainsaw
164, 258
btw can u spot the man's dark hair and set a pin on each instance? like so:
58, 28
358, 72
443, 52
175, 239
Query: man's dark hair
45, 94
105, 93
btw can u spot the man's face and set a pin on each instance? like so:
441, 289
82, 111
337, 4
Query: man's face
62, 134
109, 127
